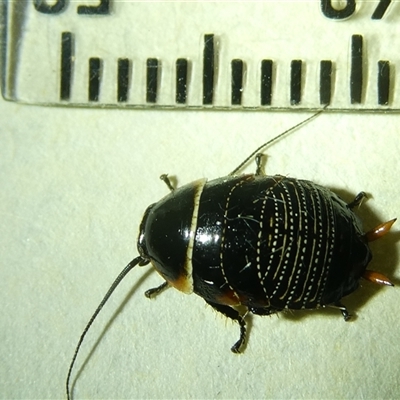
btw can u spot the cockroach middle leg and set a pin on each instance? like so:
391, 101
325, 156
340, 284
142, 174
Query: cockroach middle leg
156, 291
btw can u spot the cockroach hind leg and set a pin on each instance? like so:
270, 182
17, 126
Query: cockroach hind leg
237, 347
377, 277
379, 231
233, 314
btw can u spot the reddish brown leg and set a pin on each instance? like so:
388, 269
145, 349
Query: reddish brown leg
377, 277
379, 231
373, 234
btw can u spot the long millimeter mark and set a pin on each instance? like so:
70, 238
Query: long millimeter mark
356, 74
208, 69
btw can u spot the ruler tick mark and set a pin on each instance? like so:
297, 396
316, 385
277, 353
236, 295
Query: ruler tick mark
266, 82
152, 80
325, 82
356, 73
208, 69
295, 81
67, 52
181, 80
237, 82
95, 65
123, 79
383, 82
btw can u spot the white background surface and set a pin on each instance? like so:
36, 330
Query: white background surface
74, 185
72, 197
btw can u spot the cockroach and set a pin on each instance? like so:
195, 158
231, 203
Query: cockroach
265, 243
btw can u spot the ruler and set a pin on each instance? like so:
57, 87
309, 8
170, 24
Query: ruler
264, 55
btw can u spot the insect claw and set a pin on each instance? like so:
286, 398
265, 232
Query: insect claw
357, 200
238, 345
345, 313
377, 277
379, 231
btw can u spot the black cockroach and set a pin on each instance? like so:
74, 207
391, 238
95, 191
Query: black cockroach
266, 243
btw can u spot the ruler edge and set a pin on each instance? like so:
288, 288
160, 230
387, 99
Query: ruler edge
116, 106
3, 46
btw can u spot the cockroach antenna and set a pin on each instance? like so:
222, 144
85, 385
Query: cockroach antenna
138, 260
275, 139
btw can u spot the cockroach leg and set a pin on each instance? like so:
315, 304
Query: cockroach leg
377, 277
379, 231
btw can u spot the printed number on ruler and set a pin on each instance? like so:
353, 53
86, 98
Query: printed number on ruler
226, 55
